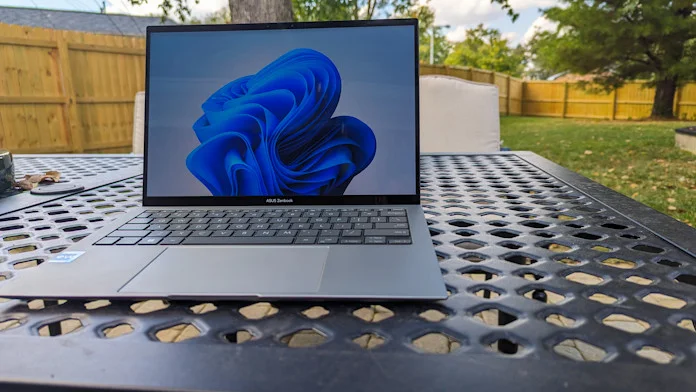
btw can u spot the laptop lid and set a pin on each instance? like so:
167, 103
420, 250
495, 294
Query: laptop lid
278, 114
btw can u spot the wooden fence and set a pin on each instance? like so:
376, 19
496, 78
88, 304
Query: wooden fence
633, 101
67, 91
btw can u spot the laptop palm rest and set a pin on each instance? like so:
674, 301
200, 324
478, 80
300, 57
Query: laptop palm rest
204, 270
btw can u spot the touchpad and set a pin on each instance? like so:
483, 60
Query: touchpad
230, 271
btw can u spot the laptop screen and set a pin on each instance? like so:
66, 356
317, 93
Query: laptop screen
325, 111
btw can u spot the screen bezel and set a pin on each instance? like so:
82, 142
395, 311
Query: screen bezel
284, 200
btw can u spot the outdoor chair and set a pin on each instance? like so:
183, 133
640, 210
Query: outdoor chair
139, 123
457, 115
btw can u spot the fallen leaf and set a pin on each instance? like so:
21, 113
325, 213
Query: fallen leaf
588, 152
611, 170
671, 200
624, 177
633, 196
634, 186
672, 208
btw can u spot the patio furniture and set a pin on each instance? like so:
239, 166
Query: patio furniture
555, 282
457, 115
139, 123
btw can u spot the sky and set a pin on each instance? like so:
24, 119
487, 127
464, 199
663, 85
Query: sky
458, 14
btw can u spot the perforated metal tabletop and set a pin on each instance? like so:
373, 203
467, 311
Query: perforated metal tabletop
555, 282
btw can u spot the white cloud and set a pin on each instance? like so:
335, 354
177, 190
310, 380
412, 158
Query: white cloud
203, 8
457, 34
539, 24
459, 13
510, 36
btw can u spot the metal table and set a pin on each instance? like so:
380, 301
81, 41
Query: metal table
556, 283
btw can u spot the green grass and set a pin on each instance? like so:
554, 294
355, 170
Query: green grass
638, 159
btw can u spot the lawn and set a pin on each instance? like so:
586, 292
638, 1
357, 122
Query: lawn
638, 159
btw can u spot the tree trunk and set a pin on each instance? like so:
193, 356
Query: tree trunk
261, 11
663, 104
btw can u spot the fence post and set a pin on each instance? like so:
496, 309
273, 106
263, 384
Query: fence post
70, 109
509, 94
492, 78
613, 104
565, 100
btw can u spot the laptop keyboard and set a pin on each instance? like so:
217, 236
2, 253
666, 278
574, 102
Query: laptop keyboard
368, 226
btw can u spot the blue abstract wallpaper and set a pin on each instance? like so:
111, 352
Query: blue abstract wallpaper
282, 112
273, 133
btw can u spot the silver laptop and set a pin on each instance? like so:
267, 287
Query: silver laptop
281, 161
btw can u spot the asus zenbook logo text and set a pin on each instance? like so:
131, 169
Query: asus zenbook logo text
276, 201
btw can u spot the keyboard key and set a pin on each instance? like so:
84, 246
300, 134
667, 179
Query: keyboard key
378, 219
198, 227
239, 226
234, 215
196, 215
375, 240
343, 226
301, 226
128, 241
159, 233
305, 240
358, 219
362, 226
222, 233
258, 220
396, 212
107, 241
321, 226
253, 215
201, 233
238, 240
129, 233
399, 241
309, 233
352, 233
274, 214
299, 220
398, 219
278, 220
145, 214
180, 233
330, 233
150, 241
158, 227
369, 213
349, 214
239, 220
327, 240
351, 241
216, 214
171, 241
160, 215
218, 227
265, 233
391, 226
280, 226
140, 220
388, 232
200, 220
133, 226
260, 226
292, 214
287, 233
311, 214
243, 233
342, 219
218, 221
179, 221
178, 227
332, 213
179, 215
161, 221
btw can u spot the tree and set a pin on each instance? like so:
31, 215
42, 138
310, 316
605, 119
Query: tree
619, 40
485, 48
255, 11
426, 22
221, 16
315, 10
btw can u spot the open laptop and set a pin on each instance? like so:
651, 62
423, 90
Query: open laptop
281, 161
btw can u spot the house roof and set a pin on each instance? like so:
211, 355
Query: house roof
117, 24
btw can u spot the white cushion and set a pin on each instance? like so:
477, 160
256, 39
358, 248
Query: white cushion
457, 115
139, 123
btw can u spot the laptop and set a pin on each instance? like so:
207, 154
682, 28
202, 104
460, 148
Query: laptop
281, 161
